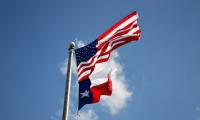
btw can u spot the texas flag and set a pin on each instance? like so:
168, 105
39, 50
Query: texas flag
97, 52
91, 94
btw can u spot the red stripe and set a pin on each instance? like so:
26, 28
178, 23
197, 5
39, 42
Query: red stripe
138, 32
86, 64
120, 33
102, 89
83, 78
116, 25
88, 68
126, 40
104, 59
86, 76
125, 31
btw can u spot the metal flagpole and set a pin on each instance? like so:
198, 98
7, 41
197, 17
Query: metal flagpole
68, 83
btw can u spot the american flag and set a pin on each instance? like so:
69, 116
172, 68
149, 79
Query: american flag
124, 31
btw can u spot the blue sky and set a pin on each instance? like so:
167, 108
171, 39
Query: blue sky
162, 69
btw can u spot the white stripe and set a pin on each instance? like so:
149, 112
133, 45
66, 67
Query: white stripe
131, 27
84, 67
122, 36
119, 27
100, 73
121, 30
119, 43
94, 62
96, 55
84, 62
84, 74
116, 43
104, 56
133, 30
99, 81
80, 69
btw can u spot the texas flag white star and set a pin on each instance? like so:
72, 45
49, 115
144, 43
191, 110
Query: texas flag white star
85, 94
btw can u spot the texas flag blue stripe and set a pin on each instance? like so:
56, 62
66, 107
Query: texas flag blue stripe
85, 94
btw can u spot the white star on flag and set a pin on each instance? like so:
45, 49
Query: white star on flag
85, 94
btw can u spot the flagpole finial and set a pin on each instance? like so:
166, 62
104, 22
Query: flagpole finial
71, 46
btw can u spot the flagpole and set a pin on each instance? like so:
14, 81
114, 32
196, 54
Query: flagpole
68, 83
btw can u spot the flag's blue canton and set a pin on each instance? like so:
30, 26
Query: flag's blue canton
84, 87
85, 53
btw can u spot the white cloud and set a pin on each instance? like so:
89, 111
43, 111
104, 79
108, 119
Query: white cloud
88, 115
57, 115
63, 67
198, 108
79, 43
198, 112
